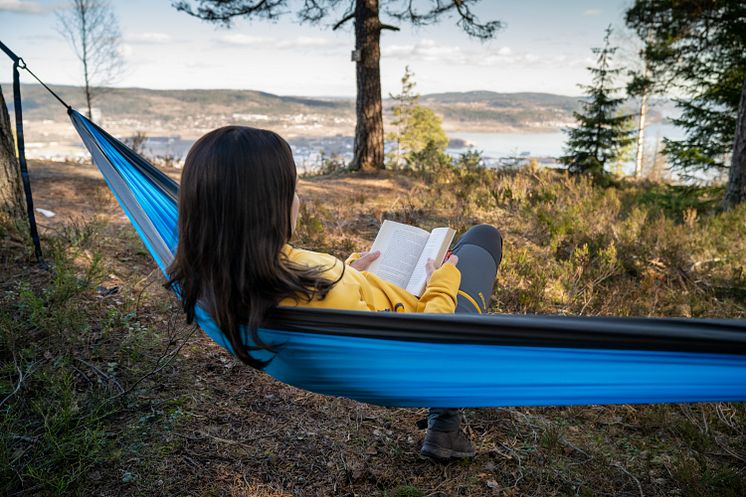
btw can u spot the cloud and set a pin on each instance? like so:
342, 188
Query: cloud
298, 43
125, 50
237, 39
148, 38
592, 12
22, 6
305, 42
427, 50
431, 51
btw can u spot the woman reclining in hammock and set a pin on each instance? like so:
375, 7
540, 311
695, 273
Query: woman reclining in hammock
238, 209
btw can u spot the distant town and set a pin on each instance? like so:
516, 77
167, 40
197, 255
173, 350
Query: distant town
509, 127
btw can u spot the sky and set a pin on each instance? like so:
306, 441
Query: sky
544, 46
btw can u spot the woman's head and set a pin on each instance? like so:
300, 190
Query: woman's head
238, 181
237, 209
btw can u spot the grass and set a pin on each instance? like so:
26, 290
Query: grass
105, 391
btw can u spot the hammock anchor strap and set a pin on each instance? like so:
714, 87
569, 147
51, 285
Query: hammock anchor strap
21, 147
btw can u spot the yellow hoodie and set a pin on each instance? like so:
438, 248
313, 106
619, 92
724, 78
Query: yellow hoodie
364, 291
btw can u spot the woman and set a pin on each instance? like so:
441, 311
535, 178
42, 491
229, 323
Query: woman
237, 212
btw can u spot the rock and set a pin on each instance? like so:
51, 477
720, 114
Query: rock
102, 290
45, 212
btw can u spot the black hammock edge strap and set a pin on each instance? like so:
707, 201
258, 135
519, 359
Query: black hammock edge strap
655, 334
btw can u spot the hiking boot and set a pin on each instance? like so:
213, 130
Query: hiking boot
444, 445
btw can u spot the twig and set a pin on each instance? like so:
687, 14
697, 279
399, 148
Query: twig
733, 425
624, 470
26, 490
158, 369
82, 374
148, 281
21, 378
242, 443
103, 375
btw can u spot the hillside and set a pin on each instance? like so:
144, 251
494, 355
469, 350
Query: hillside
143, 103
486, 110
530, 110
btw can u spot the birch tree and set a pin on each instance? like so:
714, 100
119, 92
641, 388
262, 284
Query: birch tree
92, 30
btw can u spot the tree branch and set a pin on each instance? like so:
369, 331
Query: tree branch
342, 21
389, 27
467, 20
224, 11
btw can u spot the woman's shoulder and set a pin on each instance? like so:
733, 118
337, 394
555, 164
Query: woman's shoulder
311, 258
345, 294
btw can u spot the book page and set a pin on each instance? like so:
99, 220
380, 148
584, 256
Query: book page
401, 247
435, 248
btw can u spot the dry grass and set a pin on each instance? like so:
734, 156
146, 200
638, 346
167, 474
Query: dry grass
119, 398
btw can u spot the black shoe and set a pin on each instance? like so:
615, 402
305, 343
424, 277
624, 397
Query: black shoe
444, 445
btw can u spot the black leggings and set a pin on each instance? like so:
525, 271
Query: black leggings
479, 252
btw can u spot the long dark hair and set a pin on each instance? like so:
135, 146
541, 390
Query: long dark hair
235, 204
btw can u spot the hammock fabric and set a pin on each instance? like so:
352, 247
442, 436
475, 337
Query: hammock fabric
421, 360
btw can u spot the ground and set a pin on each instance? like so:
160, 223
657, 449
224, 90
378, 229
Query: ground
108, 392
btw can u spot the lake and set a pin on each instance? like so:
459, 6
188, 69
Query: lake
542, 145
494, 146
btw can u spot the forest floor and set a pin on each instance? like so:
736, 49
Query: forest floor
105, 391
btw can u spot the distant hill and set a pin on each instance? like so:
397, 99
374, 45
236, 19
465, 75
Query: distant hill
517, 110
141, 103
165, 110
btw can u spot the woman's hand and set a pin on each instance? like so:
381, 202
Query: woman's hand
365, 260
430, 266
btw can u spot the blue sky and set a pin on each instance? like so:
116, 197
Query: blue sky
544, 47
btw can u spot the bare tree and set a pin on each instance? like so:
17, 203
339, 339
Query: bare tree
12, 202
93, 31
366, 16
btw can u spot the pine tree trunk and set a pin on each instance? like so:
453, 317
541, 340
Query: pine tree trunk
736, 190
368, 151
12, 201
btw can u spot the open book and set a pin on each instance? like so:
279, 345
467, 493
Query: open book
405, 251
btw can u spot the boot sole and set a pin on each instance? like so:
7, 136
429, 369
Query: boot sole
441, 454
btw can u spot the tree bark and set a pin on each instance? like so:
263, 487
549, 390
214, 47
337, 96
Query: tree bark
12, 201
736, 190
368, 149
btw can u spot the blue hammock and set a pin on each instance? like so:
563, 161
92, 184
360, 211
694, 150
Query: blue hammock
452, 360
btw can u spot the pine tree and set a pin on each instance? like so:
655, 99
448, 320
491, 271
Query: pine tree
12, 201
417, 127
603, 136
401, 110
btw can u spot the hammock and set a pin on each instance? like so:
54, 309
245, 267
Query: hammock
420, 360
426, 360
